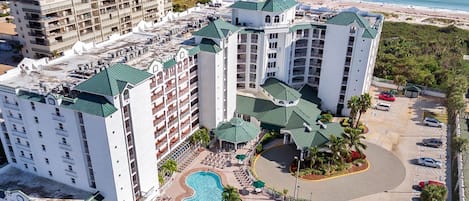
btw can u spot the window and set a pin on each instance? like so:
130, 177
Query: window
273, 35
33, 107
64, 141
23, 129
31, 156
273, 45
39, 133
27, 144
34, 169
252, 85
26, 166
36, 120
18, 140
14, 160
272, 55
50, 173
126, 94
57, 111
14, 127
276, 19
73, 180
43, 147
272, 64
267, 19
47, 160
20, 116
61, 126
271, 74
22, 153
70, 168
67, 155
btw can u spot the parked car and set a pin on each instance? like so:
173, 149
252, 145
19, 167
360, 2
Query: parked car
429, 162
386, 96
383, 106
432, 142
428, 121
422, 184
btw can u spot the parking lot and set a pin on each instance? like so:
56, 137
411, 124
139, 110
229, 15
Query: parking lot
401, 130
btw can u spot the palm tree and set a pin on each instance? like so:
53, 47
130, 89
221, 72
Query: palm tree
400, 80
313, 156
354, 105
363, 106
230, 193
337, 147
353, 140
433, 193
169, 167
200, 137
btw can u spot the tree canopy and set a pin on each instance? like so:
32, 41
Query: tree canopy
423, 54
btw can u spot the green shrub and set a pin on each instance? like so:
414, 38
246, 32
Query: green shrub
326, 118
259, 148
358, 162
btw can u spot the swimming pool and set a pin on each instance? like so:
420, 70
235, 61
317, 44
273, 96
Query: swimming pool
206, 185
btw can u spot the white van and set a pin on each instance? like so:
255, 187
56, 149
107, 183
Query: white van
383, 106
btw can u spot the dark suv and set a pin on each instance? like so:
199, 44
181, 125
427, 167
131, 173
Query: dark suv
432, 142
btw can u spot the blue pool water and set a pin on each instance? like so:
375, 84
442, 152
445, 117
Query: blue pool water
207, 186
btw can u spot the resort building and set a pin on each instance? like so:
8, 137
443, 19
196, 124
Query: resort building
104, 118
48, 28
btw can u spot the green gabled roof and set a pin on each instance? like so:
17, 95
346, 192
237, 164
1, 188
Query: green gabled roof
236, 131
310, 94
193, 51
268, 5
348, 17
317, 136
90, 104
217, 29
283, 117
280, 90
110, 81
169, 63
208, 45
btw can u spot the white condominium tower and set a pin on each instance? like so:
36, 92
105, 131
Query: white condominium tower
105, 118
335, 56
48, 27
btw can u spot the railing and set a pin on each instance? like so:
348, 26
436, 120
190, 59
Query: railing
61, 132
13, 106
67, 160
58, 118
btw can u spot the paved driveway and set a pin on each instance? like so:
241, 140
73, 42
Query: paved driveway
386, 172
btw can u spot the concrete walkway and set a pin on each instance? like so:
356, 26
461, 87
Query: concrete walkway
386, 172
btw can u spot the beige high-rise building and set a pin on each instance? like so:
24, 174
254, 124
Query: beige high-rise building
48, 27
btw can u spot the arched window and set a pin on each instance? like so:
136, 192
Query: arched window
126, 94
276, 19
267, 19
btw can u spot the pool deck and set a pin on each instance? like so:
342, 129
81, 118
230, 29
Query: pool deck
178, 190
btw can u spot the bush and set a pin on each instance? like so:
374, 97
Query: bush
326, 117
345, 122
259, 148
348, 130
359, 162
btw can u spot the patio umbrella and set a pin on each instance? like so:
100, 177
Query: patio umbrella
258, 184
241, 157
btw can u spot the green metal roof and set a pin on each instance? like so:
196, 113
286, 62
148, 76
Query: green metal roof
208, 45
90, 104
283, 117
310, 94
268, 5
111, 81
217, 29
31, 96
193, 51
169, 63
317, 136
236, 131
347, 17
280, 90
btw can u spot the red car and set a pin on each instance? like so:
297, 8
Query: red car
422, 184
386, 96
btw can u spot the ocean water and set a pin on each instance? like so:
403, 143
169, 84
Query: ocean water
461, 5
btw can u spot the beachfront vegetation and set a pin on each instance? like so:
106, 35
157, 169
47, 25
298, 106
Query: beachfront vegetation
182, 5
425, 55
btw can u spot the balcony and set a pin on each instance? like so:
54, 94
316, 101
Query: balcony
152, 84
68, 160
195, 107
61, 132
184, 79
172, 109
13, 106
23, 146
193, 74
184, 113
19, 133
156, 96
170, 99
158, 120
160, 132
65, 146
58, 117
170, 87
15, 119
184, 102
173, 121
157, 108
347, 63
183, 91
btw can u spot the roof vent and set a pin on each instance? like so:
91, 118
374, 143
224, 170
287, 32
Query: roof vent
307, 127
323, 126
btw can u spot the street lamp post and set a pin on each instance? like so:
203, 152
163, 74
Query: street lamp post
297, 174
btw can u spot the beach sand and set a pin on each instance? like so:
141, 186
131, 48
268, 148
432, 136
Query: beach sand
410, 14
